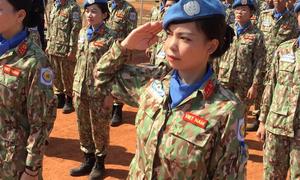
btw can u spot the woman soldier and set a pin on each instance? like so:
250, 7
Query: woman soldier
188, 125
241, 68
93, 123
279, 126
27, 103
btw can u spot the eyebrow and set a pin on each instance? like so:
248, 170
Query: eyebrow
181, 33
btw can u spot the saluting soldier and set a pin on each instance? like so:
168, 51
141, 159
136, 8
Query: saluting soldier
188, 125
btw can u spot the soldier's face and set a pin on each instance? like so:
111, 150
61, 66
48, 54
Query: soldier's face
187, 48
94, 15
168, 4
279, 4
242, 14
10, 19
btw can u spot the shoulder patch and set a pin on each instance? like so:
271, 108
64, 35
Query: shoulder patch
76, 16
241, 130
46, 76
156, 89
132, 16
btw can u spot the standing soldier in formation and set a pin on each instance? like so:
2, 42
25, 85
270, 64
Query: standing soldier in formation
27, 102
240, 68
123, 19
62, 36
156, 10
278, 25
93, 119
280, 112
188, 125
229, 12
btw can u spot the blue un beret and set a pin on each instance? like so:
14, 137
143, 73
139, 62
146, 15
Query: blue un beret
297, 6
249, 3
90, 2
189, 10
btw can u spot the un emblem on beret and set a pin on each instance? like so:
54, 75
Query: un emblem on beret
244, 2
91, 1
191, 8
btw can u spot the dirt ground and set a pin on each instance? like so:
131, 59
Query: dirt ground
63, 152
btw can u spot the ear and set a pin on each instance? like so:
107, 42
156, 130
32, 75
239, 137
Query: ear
105, 15
21, 14
212, 46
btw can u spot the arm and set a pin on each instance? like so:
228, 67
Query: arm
41, 110
75, 28
269, 89
230, 154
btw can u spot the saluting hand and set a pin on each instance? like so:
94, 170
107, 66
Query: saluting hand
142, 37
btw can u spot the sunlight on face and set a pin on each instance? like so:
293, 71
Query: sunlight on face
186, 47
242, 14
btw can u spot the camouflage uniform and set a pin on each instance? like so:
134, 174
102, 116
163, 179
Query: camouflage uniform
27, 108
281, 114
62, 36
35, 36
123, 18
275, 33
187, 142
230, 18
93, 120
242, 65
155, 13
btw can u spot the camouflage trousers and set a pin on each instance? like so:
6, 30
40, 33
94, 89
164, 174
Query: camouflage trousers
64, 74
93, 124
281, 153
12, 159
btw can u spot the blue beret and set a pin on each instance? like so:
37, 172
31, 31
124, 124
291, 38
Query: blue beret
189, 10
297, 6
90, 2
249, 3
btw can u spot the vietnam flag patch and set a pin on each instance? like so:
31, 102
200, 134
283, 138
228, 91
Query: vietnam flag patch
195, 119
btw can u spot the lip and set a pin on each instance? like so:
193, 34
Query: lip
172, 58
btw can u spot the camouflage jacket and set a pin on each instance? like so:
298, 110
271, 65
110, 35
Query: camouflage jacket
155, 14
230, 18
276, 32
123, 19
199, 139
280, 106
88, 54
64, 26
27, 107
243, 62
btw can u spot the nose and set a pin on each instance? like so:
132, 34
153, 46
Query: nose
171, 44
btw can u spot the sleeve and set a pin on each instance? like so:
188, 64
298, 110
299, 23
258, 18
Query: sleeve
76, 25
229, 157
125, 82
269, 89
41, 110
258, 61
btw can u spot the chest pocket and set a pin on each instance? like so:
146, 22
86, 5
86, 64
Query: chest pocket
286, 72
186, 140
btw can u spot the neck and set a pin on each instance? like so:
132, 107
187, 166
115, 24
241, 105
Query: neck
192, 76
242, 24
280, 9
10, 34
96, 26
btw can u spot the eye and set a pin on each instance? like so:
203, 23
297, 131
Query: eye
185, 38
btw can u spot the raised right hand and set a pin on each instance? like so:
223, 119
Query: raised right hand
142, 37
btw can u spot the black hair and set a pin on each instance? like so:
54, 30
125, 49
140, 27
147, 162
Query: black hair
215, 27
22, 4
104, 9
